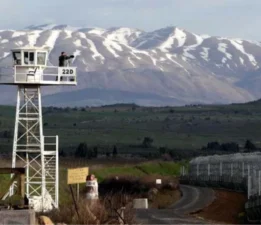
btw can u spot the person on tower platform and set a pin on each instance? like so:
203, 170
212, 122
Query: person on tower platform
63, 57
63, 61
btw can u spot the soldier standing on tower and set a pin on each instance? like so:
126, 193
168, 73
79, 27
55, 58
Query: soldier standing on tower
62, 61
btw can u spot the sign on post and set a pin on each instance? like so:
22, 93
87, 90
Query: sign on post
77, 175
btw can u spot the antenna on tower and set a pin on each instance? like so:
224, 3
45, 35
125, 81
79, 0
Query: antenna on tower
36, 152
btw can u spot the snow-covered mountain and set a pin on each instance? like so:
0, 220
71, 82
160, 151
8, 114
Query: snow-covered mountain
170, 66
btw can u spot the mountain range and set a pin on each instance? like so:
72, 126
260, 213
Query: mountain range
169, 66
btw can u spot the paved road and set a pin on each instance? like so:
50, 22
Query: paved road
193, 199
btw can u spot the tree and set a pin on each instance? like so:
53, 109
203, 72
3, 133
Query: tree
133, 108
81, 151
230, 147
249, 145
213, 145
115, 151
171, 111
62, 153
162, 150
95, 152
147, 142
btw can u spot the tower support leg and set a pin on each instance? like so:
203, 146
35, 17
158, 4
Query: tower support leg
28, 145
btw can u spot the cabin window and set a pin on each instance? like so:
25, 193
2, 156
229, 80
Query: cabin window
41, 58
17, 58
29, 58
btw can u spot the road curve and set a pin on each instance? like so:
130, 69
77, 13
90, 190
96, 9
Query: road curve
193, 199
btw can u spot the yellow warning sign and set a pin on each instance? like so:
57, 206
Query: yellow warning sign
77, 175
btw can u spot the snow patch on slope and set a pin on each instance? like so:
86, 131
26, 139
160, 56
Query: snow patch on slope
169, 56
18, 34
205, 54
131, 62
68, 33
224, 60
222, 47
97, 31
5, 55
94, 50
78, 43
4, 41
111, 44
238, 45
33, 36
178, 35
52, 38
199, 41
121, 35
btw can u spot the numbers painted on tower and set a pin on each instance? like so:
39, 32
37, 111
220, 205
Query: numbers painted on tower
68, 71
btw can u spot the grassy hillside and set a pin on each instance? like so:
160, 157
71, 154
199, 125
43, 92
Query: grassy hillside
126, 126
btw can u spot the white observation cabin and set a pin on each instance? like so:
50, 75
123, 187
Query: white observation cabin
30, 67
31, 148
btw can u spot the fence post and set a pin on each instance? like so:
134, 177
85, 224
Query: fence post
220, 168
248, 170
249, 187
231, 169
243, 169
197, 170
259, 182
208, 169
254, 181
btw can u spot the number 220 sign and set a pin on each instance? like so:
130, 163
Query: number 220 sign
66, 71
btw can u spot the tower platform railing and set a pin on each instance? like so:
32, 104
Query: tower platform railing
49, 75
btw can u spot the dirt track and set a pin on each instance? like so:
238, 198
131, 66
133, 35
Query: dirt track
225, 207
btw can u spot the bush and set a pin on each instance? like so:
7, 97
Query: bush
228, 147
147, 142
81, 150
249, 146
102, 211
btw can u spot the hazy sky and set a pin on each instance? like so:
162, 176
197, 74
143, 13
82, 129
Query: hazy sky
232, 18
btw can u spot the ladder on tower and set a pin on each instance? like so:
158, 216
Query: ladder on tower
51, 167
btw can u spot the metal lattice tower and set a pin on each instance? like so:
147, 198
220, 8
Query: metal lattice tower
31, 149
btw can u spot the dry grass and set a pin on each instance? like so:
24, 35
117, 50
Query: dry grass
118, 193
164, 198
102, 211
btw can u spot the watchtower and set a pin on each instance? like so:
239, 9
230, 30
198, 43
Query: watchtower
37, 153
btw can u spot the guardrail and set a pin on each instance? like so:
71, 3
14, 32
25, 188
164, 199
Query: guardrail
46, 75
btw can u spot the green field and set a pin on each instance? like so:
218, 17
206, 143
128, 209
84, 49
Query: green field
181, 129
184, 128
